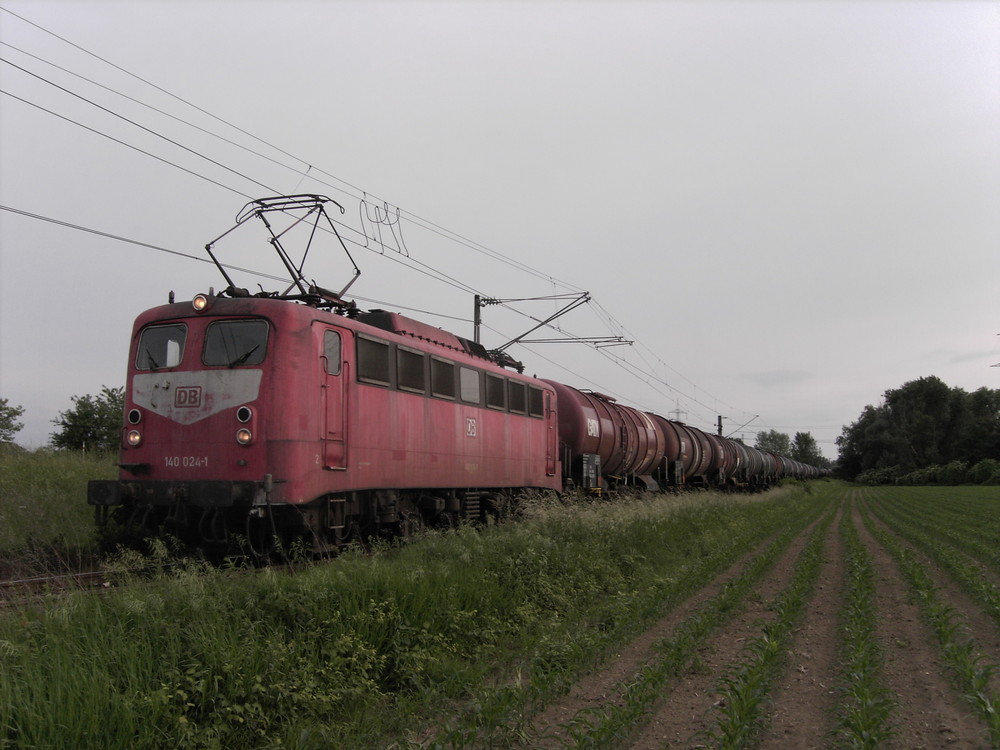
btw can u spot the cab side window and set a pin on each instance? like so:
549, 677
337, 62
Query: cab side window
331, 352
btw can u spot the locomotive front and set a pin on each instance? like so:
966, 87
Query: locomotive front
193, 456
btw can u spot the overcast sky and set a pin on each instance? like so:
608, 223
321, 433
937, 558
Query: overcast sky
788, 207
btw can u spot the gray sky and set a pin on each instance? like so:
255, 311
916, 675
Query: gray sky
789, 207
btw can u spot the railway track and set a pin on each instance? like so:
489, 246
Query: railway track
20, 589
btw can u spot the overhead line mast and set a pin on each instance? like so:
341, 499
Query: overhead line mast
575, 301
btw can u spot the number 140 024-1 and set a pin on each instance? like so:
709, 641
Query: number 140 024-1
185, 461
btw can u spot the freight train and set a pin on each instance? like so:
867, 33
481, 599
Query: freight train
300, 416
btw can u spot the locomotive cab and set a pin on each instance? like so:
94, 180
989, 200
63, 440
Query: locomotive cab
199, 418
261, 417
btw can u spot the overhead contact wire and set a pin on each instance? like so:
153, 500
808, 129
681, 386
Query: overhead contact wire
138, 125
416, 219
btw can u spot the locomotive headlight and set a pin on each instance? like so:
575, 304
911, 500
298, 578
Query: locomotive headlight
200, 302
134, 438
244, 414
134, 416
243, 436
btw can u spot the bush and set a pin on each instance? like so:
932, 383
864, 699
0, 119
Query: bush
954, 473
924, 476
885, 475
986, 471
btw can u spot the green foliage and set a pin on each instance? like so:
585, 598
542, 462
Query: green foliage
971, 670
921, 424
806, 450
884, 475
775, 442
954, 473
9, 426
45, 522
361, 651
986, 471
93, 424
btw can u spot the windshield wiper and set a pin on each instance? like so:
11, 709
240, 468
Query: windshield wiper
245, 356
153, 364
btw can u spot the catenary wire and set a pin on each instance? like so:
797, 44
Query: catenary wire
430, 226
137, 125
123, 143
229, 266
432, 273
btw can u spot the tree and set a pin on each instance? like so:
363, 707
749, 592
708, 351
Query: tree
806, 449
981, 437
94, 422
922, 423
773, 441
9, 426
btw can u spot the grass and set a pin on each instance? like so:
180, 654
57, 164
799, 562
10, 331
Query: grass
746, 687
865, 706
479, 625
45, 522
971, 671
640, 695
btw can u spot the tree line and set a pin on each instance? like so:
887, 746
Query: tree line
925, 432
803, 447
92, 424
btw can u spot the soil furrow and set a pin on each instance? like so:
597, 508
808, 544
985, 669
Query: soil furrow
930, 713
804, 699
688, 713
601, 686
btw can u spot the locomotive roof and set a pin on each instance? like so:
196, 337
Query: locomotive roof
404, 326
383, 320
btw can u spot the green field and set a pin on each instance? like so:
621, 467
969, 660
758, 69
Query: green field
46, 525
467, 638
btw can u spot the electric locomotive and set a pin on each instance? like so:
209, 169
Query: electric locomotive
263, 416
297, 415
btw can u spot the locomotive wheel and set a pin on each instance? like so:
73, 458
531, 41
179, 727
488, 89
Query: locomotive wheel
410, 524
446, 520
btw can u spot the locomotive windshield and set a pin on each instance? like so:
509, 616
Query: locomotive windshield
231, 343
161, 346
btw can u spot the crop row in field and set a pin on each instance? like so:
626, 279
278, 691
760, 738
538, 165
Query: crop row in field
476, 637
885, 676
495, 621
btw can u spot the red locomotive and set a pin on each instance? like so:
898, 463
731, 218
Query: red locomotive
299, 415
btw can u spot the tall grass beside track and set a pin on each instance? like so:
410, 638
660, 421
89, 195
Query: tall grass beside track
446, 642
45, 523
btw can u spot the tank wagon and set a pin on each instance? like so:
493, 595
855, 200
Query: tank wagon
300, 416
605, 446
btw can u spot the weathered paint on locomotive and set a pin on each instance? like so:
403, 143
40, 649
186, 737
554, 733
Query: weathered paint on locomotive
296, 423
246, 407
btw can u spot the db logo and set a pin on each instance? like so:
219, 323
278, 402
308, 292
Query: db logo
187, 396
470, 426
